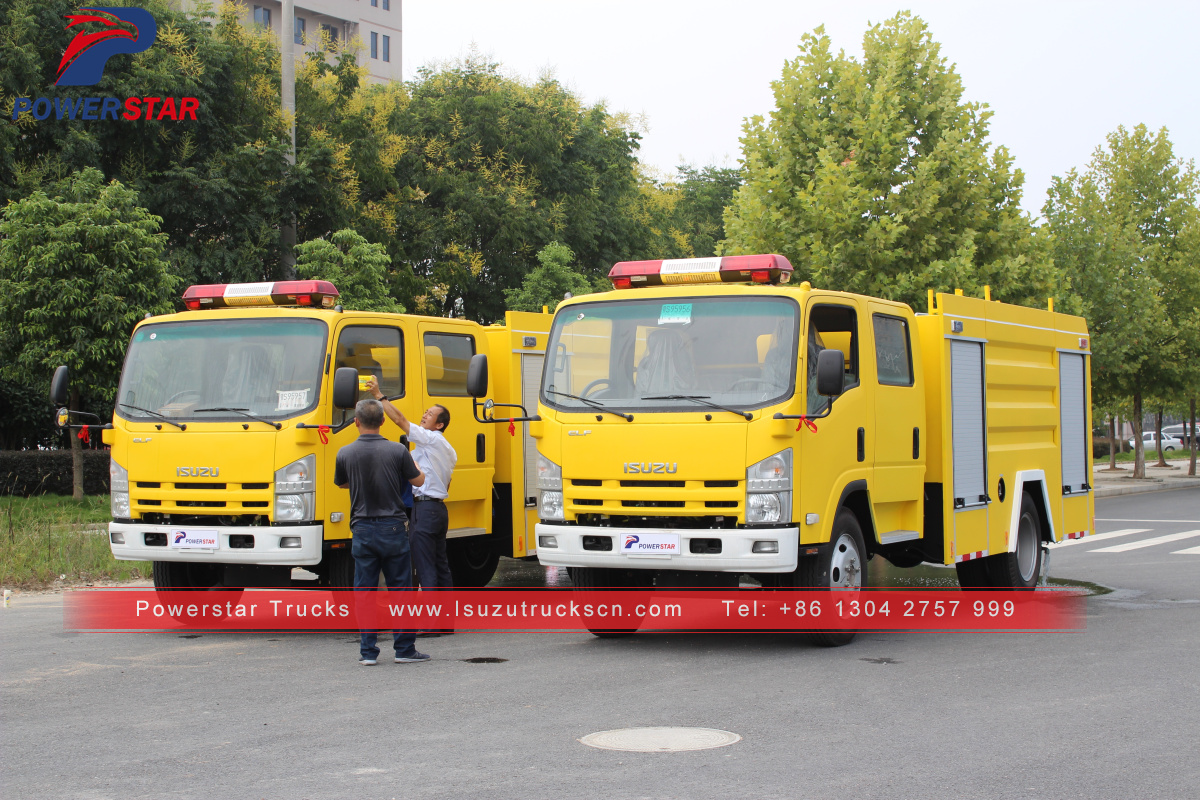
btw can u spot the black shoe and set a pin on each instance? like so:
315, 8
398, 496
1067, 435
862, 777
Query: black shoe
446, 633
428, 634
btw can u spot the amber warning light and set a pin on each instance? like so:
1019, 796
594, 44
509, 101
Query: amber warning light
772, 269
321, 294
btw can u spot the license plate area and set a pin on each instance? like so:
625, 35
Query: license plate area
650, 544
193, 539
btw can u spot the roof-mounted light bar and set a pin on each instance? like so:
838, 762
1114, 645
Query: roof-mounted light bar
770, 268
320, 294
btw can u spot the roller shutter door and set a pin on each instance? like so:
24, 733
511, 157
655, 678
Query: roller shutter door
1073, 408
531, 381
969, 424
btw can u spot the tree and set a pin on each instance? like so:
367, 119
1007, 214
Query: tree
77, 272
358, 268
875, 177
549, 282
1118, 237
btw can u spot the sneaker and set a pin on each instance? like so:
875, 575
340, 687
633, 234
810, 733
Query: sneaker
413, 659
367, 662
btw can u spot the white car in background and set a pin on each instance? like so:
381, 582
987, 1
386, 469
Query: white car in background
1150, 442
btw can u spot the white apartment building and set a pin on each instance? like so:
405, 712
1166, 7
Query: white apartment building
375, 22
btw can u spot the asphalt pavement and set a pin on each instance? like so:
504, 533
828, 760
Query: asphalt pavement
1112, 711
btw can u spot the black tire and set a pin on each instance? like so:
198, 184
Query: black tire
336, 569
588, 578
473, 562
840, 567
1021, 568
182, 576
973, 574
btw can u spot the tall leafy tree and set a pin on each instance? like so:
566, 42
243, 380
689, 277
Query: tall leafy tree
548, 283
77, 271
876, 177
1119, 237
358, 268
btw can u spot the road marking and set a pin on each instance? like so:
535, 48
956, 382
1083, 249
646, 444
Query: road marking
1098, 536
1191, 551
1170, 537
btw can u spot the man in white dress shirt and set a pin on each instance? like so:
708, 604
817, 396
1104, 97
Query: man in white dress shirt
430, 522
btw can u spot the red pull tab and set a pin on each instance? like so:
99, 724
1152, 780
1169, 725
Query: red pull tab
805, 421
83, 433
323, 432
512, 428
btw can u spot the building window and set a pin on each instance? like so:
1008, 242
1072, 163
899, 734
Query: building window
374, 3
262, 16
299, 30
387, 5
331, 32
374, 44
387, 48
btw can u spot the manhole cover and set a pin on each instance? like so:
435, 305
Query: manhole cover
660, 740
485, 660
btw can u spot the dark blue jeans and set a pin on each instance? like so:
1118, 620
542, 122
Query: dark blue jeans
382, 544
430, 523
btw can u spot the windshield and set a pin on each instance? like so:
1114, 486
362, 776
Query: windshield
629, 355
269, 368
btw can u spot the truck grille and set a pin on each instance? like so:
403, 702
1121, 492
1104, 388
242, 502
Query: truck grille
165, 500
687, 498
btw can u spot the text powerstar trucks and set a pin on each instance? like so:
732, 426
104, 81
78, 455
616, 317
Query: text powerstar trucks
706, 419
228, 418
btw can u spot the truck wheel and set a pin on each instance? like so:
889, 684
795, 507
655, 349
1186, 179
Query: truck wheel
1020, 569
973, 574
336, 569
588, 578
472, 563
175, 576
841, 567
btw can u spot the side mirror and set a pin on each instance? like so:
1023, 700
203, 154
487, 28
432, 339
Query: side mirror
477, 375
345, 387
60, 386
831, 373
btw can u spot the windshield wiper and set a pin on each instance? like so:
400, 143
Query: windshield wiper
164, 418
242, 411
702, 399
594, 404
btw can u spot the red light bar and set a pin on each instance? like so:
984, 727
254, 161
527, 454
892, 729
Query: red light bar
770, 268
322, 294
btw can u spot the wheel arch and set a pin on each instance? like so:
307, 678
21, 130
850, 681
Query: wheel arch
856, 499
1031, 482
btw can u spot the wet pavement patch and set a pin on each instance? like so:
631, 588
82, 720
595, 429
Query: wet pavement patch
191, 636
484, 660
660, 740
881, 660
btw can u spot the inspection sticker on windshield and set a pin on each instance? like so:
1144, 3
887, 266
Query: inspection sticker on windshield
193, 540
680, 313
292, 400
650, 544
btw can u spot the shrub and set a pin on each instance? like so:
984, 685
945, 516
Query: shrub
33, 472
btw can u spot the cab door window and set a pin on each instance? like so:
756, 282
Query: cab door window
893, 354
447, 356
372, 350
831, 327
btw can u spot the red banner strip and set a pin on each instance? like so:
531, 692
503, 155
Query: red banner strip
567, 609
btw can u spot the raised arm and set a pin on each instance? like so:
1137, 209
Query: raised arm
393, 413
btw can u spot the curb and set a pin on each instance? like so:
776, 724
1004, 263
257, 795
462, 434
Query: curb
1165, 486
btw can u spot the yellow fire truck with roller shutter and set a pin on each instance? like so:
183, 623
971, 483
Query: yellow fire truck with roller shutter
228, 419
708, 419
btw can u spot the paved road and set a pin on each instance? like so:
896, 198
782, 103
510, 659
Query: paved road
1110, 712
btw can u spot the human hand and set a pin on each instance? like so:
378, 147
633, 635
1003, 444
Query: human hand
373, 388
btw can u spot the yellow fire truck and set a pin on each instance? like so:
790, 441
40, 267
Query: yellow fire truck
706, 419
228, 418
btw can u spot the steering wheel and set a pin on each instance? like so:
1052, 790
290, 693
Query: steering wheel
587, 390
185, 393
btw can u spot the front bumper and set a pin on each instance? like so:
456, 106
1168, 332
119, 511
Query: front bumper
736, 549
266, 549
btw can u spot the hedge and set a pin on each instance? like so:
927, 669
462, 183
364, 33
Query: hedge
32, 472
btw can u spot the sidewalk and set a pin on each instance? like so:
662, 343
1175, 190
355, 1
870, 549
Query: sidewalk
1112, 484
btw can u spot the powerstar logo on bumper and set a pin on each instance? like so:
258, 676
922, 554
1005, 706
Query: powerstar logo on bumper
100, 34
656, 543
205, 540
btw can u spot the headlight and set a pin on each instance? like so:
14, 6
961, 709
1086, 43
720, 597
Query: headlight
118, 490
549, 474
551, 505
295, 490
549, 484
769, 489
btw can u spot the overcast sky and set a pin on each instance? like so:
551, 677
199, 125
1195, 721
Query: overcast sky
1058, 75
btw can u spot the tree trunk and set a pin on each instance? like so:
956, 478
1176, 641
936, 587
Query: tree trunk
1112, 441
76, 454
1162, 462
1139, 450
1121, 441
1195, 444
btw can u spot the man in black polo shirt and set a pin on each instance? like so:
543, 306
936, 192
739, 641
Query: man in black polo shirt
375, 469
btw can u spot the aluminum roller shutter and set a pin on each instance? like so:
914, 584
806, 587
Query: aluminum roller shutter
969, 434
1073, 408
531, 382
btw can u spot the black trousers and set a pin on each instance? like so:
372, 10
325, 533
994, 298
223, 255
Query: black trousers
429, 525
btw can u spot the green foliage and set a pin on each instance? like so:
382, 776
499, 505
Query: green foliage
1126, 236
358, 268
684, 215
77, 271
875, 177
549, 281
